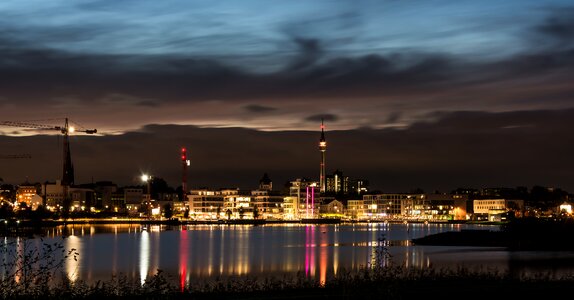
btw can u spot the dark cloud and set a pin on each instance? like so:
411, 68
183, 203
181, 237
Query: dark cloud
559, 26
324, 117
393, 117
408, 82
309, 53
30, 72
255, 108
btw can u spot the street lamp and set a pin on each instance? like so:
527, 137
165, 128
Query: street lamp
147, 178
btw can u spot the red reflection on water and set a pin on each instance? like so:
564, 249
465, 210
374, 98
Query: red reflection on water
182, 258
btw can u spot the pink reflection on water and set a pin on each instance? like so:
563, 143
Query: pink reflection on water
310, 251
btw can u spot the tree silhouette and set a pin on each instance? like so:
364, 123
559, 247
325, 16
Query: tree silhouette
255, 212
167, 211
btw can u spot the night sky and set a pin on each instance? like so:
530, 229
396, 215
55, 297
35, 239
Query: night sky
414, 94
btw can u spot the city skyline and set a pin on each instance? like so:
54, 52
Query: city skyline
414, 94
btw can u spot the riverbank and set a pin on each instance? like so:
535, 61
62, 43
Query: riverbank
12, 223
519, 235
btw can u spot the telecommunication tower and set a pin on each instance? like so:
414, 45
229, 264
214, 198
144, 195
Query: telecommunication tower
323, 149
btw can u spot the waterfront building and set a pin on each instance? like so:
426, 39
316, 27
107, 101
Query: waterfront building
237, 206
437, 206
356, 209
398, 206
117, 203
497, 209
266, 204
333, 208
25, 193
208, 204
54, 194
104, 191
301, 202
82, 199
134, 199
386, 206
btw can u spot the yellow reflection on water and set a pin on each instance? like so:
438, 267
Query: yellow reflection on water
323, 258
336, 254
242, 263
72, 263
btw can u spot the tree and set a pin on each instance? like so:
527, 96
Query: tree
241, 212
255, 212
228, 213
167, 211
159, 186
6, 210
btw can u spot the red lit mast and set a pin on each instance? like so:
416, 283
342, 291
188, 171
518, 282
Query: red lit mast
185, 163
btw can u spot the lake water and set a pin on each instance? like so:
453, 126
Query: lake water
191, 252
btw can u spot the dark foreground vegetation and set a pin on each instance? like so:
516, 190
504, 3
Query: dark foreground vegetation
377, 283
36, 273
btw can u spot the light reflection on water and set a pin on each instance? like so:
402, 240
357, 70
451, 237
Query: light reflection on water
195, 252
144, 255
73, 265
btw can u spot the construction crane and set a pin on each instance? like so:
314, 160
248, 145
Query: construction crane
66, 130
10, 156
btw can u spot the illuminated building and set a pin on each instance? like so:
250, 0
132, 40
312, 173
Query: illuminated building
565, 208
25, 193
133, 198
409, 207
266, 203
337, 183
334, 208
54, 193
297, 205
497, 209
207, 204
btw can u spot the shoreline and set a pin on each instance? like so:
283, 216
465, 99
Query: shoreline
10, 224
31, 227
